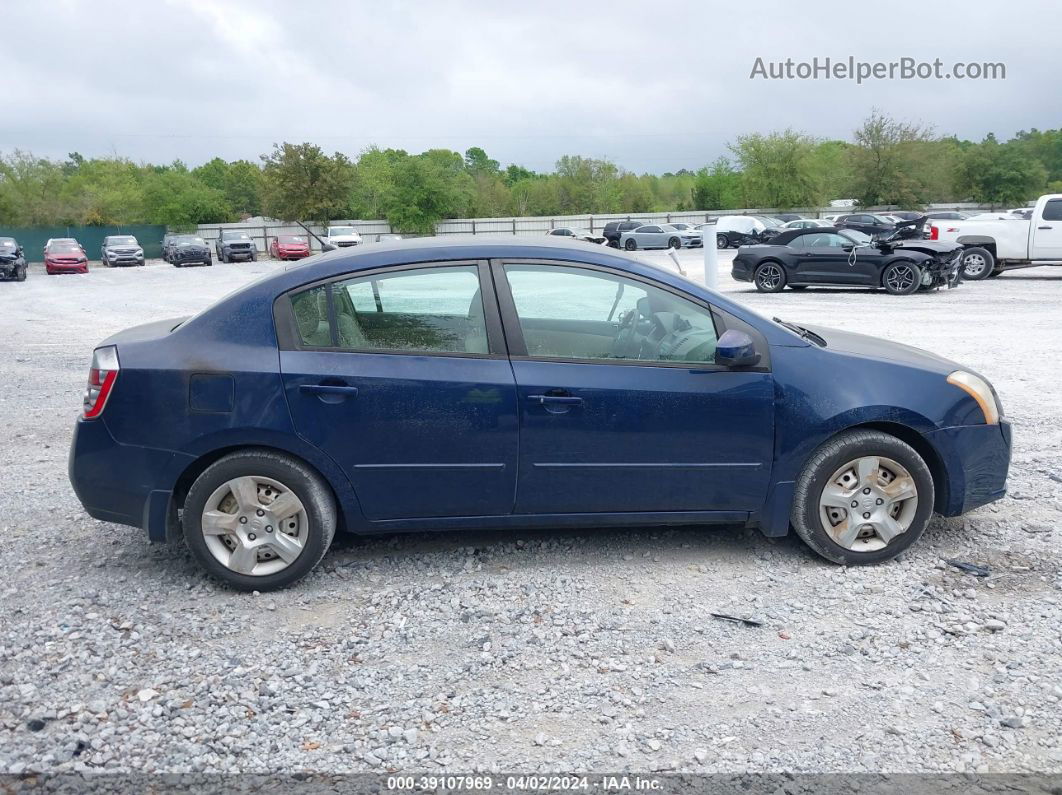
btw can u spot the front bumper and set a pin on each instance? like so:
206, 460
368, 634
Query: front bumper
976, 460
293, 254
238, 253
66, 267
184, 257
120, 483
692, 242
124, 259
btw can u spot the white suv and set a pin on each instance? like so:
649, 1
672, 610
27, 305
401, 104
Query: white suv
342, 236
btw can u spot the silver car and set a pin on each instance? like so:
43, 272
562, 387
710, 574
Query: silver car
660, 236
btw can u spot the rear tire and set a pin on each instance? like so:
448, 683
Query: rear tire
770, 278
809, 514
631, 244
722, 241
20, 274
313, 527
901, 278
977, 263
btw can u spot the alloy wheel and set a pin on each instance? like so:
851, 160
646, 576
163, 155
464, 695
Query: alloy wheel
254, 525
973, 265
900, 278
867, 503
769, 277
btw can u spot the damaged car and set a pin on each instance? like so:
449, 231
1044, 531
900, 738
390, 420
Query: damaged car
12, 260
901, 264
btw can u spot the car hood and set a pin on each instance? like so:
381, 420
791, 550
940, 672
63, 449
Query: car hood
877, 348
934, 246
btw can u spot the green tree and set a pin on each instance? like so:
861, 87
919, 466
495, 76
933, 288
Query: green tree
176, 198
478, 164
717, 187
891, 162
242, 187
779, 169
301, 183
428, 188
1001, 174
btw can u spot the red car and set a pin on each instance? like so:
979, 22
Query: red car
64, 255
289, 247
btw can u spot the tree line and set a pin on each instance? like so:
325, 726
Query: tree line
886, 162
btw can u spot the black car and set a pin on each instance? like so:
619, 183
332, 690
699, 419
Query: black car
12, 260
189, 250
614, 230
235, 244
873, 225
167, 243
902, 263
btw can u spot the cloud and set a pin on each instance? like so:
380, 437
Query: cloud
653, 88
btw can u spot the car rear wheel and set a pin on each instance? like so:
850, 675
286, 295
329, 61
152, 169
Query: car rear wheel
901, 278
722, 241
863, 497
769, 277
258, 520
20, 274
674, 243
631, 244
977, 264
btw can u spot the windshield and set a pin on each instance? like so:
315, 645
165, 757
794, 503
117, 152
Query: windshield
64, 247
859, 238
7, 242
125, 240
340, 230
189, 240
235, 236
291, 239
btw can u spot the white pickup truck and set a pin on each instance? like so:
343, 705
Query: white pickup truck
995, 246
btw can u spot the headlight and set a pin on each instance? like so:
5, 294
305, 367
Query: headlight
981, 391
140, 252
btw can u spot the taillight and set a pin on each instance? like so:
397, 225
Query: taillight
934, 233
102, 375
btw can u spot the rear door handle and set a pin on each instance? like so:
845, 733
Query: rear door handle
565, 400
329, 389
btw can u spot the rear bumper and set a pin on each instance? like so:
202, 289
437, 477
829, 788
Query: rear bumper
977, 460
121, 483
741, 271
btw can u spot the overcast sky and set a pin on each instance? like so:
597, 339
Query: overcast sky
653, 87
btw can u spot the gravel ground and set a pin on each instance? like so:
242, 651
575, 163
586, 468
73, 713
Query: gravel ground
590, 650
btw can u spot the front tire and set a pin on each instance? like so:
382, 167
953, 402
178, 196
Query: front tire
863, 497
722, 241
901, 278
977, 263
259, 520
770, 277
674, 243
20, 274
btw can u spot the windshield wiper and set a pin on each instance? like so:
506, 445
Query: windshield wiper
803, 333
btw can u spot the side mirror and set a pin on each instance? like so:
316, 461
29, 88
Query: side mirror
328, 247
736, 349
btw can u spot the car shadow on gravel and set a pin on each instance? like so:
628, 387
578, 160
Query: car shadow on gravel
702, 544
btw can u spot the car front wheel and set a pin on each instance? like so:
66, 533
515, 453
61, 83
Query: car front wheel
722, 241
258, 520
863, 497
901, 278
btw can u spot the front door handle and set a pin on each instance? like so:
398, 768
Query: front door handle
329, 389
329, 393
1043, 227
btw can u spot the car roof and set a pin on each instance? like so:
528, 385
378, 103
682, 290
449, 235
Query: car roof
783, 238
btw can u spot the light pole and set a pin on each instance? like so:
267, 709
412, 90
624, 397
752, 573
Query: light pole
711, 259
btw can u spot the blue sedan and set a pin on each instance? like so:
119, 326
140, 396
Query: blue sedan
445, 384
